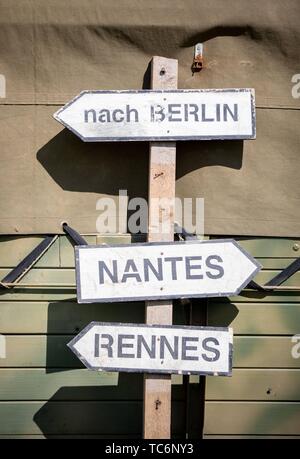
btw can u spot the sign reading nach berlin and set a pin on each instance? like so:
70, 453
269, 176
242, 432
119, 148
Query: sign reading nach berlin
202, 114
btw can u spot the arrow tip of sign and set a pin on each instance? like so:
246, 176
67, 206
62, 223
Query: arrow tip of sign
247, 254
71, 343
57, 116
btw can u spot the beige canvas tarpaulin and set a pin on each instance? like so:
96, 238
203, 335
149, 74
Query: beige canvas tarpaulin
50, 51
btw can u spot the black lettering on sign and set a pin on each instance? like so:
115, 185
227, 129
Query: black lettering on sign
161, 269
118, 116
142, 343
113, 275
186, 348
207, 348
173, 350
130, 265
157, 113
170, 112
215, 267
191, 109
190, 267
122, 345
107, 345
90, 115
173, 110
233, 114
204, 118
131, 111
158, 272
218, 112
173, 261
96, 348
153, 346
104, 116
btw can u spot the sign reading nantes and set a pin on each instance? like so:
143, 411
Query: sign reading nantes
98, 116
163, 270
155, 348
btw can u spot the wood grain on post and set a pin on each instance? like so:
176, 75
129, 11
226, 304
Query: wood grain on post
162, 165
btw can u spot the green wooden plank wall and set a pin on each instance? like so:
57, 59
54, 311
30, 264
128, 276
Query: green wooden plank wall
262, 399
46, 393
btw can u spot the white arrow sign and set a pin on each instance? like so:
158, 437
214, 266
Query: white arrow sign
203, 114
162, 270
155, 348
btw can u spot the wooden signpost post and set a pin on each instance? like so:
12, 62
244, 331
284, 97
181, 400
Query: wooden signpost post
161, 116
161, 184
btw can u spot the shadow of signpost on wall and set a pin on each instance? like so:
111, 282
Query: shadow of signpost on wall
87, 409
106, 168
67, 318
95, 167
92, 410
196, 155
115, 405
221, 314
103, 411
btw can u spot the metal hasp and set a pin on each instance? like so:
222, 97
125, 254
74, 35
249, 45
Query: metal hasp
198, 58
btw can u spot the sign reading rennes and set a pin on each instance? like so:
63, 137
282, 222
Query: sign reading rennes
155, 348
162, 270
99, 116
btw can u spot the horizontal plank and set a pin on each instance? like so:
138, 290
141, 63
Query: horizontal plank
67, 252
275, 263
61, 254
38, 294
69, 294
63, 317
39, 351
14, 249
60, 384
270, 247
255, 318
78, 418
264, 352
46, 275
252, 418
69, 317
37, 384
67, 275
52, 352
265, 247
245, 384
253, 384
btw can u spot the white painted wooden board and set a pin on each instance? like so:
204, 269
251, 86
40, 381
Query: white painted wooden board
151, 115
155, 348
162, 270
